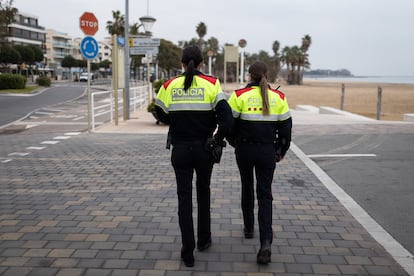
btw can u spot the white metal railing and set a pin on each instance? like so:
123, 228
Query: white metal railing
103, 102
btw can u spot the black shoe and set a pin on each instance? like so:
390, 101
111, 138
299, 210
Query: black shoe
204, 246
248, 234
188, 259
263, 257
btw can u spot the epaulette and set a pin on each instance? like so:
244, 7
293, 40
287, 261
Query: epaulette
280, 93
168, 82
239, 92
211, 79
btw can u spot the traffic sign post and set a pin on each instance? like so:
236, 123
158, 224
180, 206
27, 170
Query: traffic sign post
144, 46
88, 23
89, 49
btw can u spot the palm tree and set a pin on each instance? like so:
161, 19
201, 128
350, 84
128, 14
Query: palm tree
304, 62
117, 26
276, 63
201, 32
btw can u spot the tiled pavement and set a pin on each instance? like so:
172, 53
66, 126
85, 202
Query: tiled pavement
105, 204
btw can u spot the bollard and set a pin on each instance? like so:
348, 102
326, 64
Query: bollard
379, 100
342, 96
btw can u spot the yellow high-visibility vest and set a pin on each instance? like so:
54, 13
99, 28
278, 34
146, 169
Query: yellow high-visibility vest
247, 104
203, 95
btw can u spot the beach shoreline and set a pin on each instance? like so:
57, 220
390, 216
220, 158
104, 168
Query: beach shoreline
359, 97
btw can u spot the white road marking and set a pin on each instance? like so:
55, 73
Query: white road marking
43, 123
44, 113
72, 133
340, 155
61, 137
53, 110
18, 153
35, 148
6, 161
30, 126
396, 250
49, 142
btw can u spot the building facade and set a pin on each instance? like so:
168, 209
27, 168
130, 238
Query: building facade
58, 46
26, 31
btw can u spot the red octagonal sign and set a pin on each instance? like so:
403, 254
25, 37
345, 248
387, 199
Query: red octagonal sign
88, 23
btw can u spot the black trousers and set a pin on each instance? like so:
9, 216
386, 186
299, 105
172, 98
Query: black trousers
186, 159
261, 160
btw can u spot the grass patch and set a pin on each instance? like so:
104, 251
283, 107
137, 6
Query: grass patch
26, 90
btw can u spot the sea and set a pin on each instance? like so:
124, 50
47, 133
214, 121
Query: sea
373, 79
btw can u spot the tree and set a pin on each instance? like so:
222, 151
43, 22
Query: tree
7, 14
201, 30
9, 55
169, 57
276, 59
303, 61
117, 26
69, 62
38, 54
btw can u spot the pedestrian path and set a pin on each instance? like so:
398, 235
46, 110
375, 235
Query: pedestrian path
105, 204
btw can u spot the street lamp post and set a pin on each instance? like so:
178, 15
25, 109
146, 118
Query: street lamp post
210, 55
147, 22
126, 73
242, 44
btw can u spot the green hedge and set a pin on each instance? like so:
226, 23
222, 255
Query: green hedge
12, 81
43, 81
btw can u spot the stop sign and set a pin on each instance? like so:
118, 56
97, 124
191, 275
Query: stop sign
88, 23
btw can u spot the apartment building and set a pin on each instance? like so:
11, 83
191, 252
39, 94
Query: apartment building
58, 46
26, 31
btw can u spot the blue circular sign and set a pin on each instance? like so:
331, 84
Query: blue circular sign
89, 47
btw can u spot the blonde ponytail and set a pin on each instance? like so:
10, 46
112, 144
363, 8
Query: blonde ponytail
264, 87
258, 72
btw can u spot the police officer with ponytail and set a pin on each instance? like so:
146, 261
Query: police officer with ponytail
261, 137
199, 117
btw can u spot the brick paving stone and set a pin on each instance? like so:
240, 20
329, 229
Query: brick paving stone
90, 206
46, 271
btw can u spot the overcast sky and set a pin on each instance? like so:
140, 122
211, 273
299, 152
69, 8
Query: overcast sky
367, 37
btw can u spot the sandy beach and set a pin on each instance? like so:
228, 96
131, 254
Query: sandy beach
360, 97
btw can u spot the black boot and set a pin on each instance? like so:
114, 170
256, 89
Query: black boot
204, 246
263, 256
187, 257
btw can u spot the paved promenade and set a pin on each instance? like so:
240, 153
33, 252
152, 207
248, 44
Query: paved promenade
105, 204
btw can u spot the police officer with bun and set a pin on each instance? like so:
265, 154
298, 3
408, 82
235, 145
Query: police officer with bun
194, 106
261, 137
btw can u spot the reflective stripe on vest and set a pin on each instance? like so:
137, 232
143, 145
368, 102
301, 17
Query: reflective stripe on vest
261, 117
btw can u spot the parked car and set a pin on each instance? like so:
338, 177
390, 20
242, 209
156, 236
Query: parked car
84, 76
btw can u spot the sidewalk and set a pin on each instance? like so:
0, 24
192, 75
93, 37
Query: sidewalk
143, 122
105, 204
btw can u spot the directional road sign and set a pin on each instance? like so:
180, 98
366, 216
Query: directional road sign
143, 50
144, 42
89, 47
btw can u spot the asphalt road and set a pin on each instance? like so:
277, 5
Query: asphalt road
381, 184
13, 107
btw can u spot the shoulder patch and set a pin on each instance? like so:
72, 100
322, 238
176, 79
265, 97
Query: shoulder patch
241, 91
280, 93
167, 83
211, 79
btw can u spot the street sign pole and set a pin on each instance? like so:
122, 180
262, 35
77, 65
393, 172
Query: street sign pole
127, 74
89, 95
89, 48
